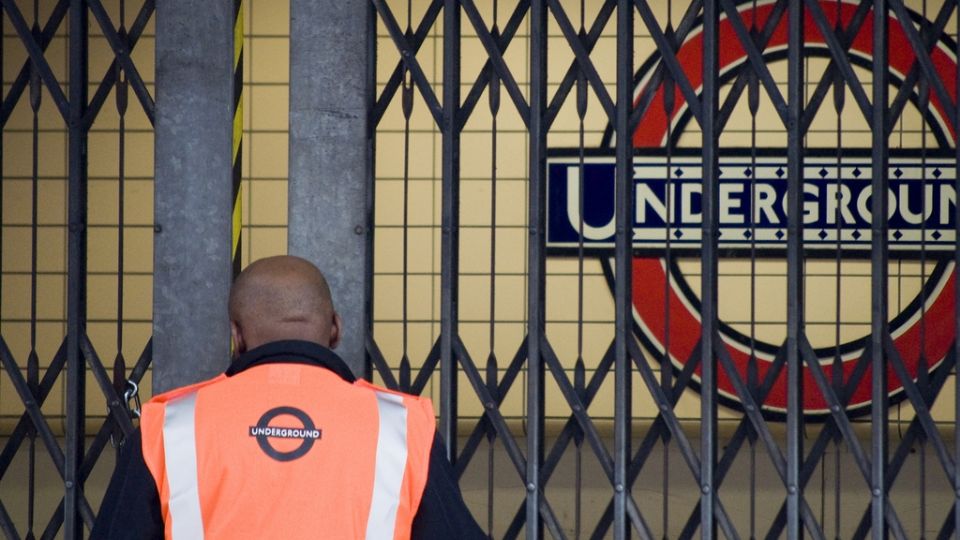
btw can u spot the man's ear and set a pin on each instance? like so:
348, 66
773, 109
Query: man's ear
237, 343
335, 326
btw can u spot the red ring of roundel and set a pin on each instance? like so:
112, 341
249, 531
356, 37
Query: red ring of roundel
649, 275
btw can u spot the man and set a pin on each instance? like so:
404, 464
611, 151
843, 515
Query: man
287, 443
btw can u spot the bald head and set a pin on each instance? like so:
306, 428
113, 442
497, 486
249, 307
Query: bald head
280, 298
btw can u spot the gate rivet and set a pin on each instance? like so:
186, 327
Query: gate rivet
705, 490
876, 492
750, 407
576, 408
489, 405
531, 487
68, 484
619, 488
792, 489
835, 408
664, 407
358, 229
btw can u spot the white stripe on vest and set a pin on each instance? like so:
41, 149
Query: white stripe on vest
180, 457
390, 467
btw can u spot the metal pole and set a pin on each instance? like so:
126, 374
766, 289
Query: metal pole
709, 263
329, 160
795, 90
623, 295
536, 296
878, 273
76, 271
450, 234
956, 320
193, 190
371, 99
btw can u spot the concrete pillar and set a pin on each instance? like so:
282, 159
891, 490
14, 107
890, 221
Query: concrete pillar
330, 153
192, 193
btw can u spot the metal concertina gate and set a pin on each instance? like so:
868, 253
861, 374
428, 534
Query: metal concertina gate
542, 27
61, 100
535, 369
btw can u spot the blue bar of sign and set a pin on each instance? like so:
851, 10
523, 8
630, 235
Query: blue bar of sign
922, 199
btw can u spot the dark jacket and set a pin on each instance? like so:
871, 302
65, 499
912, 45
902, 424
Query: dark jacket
131, 506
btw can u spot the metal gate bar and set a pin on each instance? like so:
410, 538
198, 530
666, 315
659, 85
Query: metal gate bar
795, 262
878, 272
536, 269
955, 522
450, 249
623, 393
710, 266
77, 267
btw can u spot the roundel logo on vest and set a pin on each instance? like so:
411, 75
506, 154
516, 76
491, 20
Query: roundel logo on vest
668, 189
307, 433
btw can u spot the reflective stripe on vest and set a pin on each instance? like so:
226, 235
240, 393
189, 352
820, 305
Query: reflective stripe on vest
390, 466
180, 462
180, 457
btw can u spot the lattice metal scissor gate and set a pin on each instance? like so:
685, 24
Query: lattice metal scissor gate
47, 232
732, 142
814, 323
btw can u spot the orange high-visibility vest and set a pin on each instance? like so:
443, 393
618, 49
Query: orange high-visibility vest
287, 451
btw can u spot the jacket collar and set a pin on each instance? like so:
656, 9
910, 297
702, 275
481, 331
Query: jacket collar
292, 352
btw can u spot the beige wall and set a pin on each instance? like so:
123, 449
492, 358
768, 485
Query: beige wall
264, 214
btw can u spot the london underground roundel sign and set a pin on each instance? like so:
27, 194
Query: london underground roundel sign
753, 215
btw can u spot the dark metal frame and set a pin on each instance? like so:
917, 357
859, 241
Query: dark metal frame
535, 357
